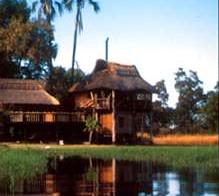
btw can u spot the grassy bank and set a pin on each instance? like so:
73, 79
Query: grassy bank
177, 157
199, 157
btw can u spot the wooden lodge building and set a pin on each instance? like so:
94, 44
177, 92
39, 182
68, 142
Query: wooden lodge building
119, 98
33, 113
114, 94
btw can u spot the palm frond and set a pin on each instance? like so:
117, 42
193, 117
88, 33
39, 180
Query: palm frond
52, 13
59, 7
80, 3
34, 5
68, 4
95, 5
80, 23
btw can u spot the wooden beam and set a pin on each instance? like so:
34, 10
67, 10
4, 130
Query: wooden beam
92, 95
113, 118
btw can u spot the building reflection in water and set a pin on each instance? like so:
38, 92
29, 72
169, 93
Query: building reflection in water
98, 177
94, 177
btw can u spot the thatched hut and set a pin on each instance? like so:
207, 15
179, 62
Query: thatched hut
23, 93
28, 107
119, 98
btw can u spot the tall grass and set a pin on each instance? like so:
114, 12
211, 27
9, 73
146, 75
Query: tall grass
199, 157
197, 139
20, 164
27, 161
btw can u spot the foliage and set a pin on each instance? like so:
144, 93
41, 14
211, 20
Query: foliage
190, 99
80, 4
162, 114
47, 9
91, 125
163, 117
25, 44
209, 112
162, 92
13, 9
16, 10
60, 81
47, 12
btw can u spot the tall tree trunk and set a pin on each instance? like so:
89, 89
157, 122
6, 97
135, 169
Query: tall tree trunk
75, 40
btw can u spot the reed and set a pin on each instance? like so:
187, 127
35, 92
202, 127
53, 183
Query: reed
21, 163
197, 139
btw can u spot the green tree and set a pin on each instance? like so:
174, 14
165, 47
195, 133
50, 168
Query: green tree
209, 111
80, 4
16, 10
162, 94
91, 125
48, 10
13, 9
162, 117
25, 45
60, 81
162, 114
190, 99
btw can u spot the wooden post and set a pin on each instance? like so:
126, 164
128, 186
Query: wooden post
92, 96
151, 134
113, 118
151, 123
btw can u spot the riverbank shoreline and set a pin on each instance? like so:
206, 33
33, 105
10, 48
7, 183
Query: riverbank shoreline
160, 140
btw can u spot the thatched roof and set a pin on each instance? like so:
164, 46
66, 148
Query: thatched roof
18, 91
113, 76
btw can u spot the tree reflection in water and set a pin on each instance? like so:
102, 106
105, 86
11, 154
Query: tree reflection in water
87, 176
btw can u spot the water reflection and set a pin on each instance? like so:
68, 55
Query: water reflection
87, 176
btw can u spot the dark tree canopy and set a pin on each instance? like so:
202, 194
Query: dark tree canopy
25, 44
209, 111
13, 9
162, 94
162, 114
190, 99
60, 81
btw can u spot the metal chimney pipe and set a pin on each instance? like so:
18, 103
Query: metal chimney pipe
106, 45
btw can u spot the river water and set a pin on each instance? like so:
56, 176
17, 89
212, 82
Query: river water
93, 177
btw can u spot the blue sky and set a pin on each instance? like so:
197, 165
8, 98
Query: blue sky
158, 36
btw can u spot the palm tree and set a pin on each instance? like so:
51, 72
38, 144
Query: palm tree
78, 20
91, 126
47, 9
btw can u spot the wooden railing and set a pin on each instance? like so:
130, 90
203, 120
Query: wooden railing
102, 103
45, 117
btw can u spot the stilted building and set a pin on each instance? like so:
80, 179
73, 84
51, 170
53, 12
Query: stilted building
118, 97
